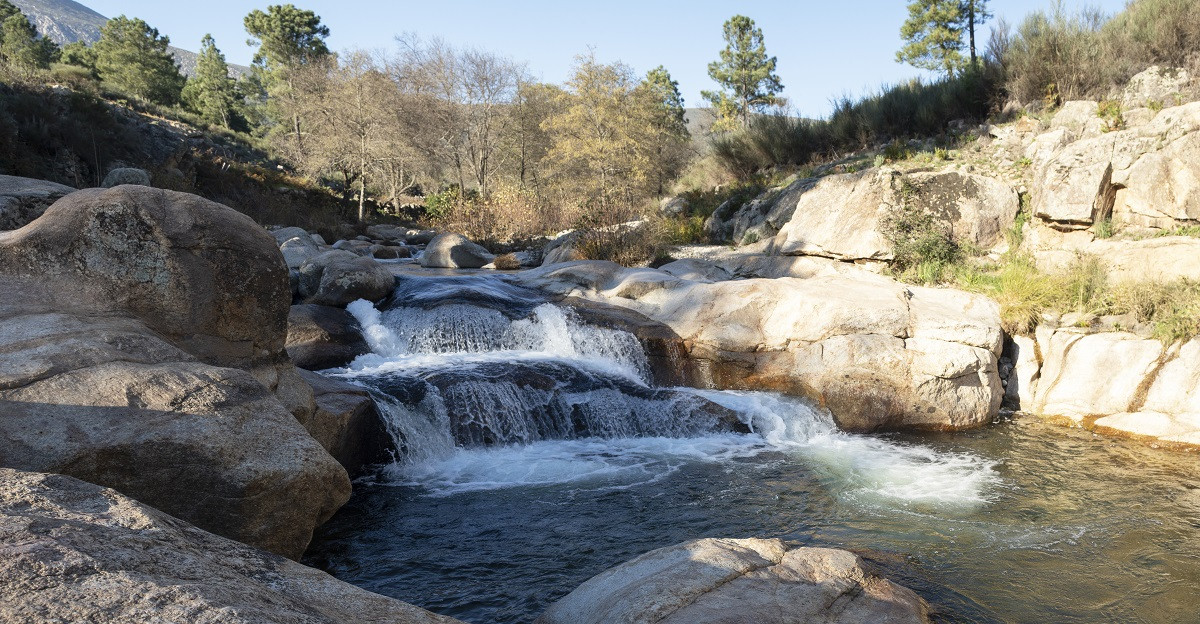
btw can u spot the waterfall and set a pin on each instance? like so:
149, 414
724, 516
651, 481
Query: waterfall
487, 386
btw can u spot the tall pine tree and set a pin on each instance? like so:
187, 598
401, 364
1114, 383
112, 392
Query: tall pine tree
745, 72
132, 58
21, 49
210, 92
933, 34
288, 39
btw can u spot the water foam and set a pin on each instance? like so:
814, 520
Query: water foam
860, 470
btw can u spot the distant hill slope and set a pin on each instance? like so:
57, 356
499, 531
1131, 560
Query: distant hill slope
66, 21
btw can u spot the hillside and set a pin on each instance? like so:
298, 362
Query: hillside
66, 21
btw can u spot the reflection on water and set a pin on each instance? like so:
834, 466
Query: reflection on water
534, 455
1077, 528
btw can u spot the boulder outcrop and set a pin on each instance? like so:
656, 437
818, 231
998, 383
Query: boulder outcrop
878, 354
728, 581
206, 277
24, 199
1113, 381
454, 251
843, 216
321, 337
78, 552
141, 348
1146, 176
337, 277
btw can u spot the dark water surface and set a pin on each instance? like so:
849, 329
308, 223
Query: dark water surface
1058, 525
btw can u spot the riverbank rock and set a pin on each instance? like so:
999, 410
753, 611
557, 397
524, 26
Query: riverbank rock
728, 581
296, 245
336, 278
321, 337
77, 552
24, 199
141, 348
878, 354
346, 423
843, 216
205, 276
1116, 382
454, 251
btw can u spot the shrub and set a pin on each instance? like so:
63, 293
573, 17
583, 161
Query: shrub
918, 238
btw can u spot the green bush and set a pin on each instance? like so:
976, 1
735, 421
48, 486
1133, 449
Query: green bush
919, 239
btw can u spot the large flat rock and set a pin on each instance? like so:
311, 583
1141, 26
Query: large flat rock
877, 353
730, 581
72, 551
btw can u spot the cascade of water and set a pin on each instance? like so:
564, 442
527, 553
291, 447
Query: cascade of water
478, 399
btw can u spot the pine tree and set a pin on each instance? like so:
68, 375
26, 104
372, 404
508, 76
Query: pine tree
132, 58
21, 49
666, 93
210, 91
745, 72
288, 39
933, 34
669, 134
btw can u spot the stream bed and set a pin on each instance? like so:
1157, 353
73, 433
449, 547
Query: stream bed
533, 454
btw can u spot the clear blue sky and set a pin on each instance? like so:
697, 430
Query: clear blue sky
825, 49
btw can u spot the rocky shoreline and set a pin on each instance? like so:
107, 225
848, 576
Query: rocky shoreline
166, 445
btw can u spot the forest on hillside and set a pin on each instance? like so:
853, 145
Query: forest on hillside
469, 139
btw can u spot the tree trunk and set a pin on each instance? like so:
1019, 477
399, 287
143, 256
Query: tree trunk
971, 28
362, 178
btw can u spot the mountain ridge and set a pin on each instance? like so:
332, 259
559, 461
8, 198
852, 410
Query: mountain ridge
67, 21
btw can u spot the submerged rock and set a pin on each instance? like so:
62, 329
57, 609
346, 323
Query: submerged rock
77, 552
346, 423
730, 581
877, 353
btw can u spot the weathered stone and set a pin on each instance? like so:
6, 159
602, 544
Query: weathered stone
120, 309
106, 400
696, 271
673, 206
1079, 117
24, 199
392, 233
389, 252
1147, 176
760, 218
126, 175
78, 552
843, 216
347, 424
321, 337
455, 251
338, 277
205, 276
298, 249
728, 581
1155, 84
419, 237
876, 353
1088, 375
